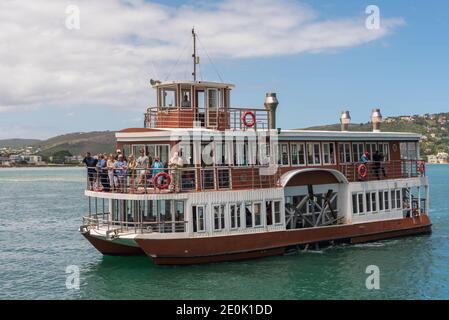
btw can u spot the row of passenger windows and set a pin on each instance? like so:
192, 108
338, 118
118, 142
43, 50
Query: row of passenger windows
237, 215
244, 153
376, 201
316, 153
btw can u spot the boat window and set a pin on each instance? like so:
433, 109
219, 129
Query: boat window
393, 200
198, 218
328, 153
354, 204
344, 149
384, 149
224, 178
298, 154
186, 100
214, 98
381, 201
257, 214
277, 211
168, 97
386, 200
207, 177
371, 148
398, 199
269, 212
152, 150
373, 201
283, 154
361, 208
219, 220
357, 150
235, 215
313, 154
248, 214
409, 151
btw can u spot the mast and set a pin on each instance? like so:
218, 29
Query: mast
194, 54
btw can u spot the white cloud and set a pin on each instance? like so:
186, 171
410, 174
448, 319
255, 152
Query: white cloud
121, 44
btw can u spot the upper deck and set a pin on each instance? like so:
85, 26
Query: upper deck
214, 160
199, 104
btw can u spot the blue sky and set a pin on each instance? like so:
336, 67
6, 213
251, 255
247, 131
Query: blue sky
404, 71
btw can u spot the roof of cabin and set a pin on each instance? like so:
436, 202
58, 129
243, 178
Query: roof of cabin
311, 135
208, 84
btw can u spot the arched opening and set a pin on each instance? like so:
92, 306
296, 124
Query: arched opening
311, 197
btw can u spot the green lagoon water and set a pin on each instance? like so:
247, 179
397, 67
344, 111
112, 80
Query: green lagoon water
41, 210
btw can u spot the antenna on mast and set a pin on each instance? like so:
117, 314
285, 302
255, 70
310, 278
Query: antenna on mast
195, 58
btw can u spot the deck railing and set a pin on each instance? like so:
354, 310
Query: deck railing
395, 169
186, 179
217, 118
103, 221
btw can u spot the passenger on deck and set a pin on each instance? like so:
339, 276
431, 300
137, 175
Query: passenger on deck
91, 164
110, 164
120, 170
103, 172
132, 171
142, 166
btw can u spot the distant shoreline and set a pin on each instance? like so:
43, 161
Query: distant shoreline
44, 166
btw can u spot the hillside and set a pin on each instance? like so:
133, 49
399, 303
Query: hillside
18, 143
433, 127
79, 143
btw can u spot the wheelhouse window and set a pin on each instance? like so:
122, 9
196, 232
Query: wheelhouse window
313, 154
186, 99
283, 154
198, 218
357, 150
328, 153
344, 149
214, 98
168, 97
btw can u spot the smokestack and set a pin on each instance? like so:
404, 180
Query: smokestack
345, 120
376, 119
271, 103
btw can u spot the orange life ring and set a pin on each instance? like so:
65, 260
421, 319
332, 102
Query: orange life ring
253, 119
362, 170
165, 183
421, 167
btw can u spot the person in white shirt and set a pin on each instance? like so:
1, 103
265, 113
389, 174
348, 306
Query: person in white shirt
142, 167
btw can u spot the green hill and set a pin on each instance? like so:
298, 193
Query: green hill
434, 129
79, 143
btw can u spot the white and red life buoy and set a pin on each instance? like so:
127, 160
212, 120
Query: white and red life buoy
245, 121
362, 170
165, 182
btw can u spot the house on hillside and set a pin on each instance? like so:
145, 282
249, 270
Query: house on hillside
4, 162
